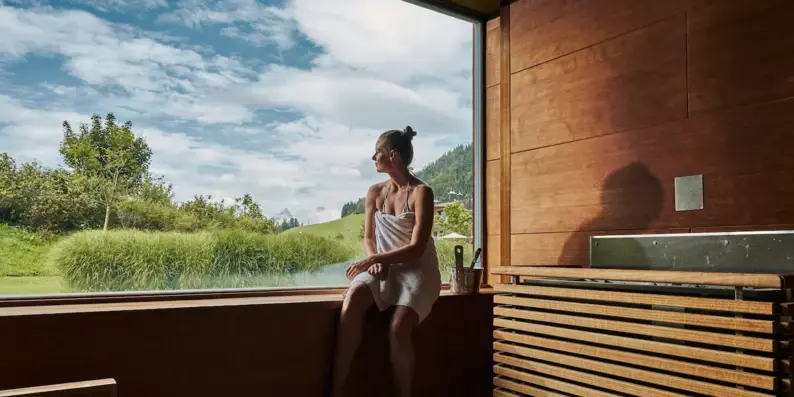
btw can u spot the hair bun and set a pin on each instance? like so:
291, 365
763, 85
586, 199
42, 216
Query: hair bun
409, 132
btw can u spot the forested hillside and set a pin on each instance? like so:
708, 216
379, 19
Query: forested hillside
452, 172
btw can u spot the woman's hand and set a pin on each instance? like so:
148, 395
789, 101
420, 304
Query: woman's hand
359, 267
378, 269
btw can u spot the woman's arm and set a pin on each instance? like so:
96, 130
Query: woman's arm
423, 208
370, 246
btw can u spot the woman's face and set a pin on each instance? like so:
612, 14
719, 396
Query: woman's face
381, 157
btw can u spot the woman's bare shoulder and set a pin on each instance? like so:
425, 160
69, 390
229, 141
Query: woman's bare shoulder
424, 188
376, 189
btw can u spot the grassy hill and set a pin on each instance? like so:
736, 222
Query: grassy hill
24, 253
24, 267
347, 227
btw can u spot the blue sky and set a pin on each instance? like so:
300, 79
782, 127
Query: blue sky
280, 99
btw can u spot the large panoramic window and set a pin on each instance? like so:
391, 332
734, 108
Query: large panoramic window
153, 145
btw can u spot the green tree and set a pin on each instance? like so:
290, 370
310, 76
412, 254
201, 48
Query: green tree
8, 171
455, 219
155, 190
247, 206
287, 224
113, 159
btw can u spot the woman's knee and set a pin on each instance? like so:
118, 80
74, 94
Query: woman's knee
402, 324
357, 299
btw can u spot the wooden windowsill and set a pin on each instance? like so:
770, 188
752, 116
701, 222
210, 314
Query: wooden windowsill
328, 300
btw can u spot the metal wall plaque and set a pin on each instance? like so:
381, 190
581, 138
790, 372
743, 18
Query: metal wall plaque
689, 193
743, 252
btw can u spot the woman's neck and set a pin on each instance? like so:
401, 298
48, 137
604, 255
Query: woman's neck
400, 179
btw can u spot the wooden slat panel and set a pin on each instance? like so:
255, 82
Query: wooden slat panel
504, 393
657, 276
735, 341
700, 320
493, 52
628, 372
493, 123
632, 81
625, 181
552, 28
740, 52
549, 382
642, 298
523, 389
645, 360
697, 353
563, 249
589, 379
493, 184
95, 388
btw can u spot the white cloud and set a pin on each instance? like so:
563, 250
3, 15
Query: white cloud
378, 72
32, 135
393, 39
246, 19
356, 100
157, 78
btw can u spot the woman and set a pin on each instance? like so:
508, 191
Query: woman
401, 267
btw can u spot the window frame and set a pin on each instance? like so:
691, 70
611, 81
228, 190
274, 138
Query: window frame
478, 211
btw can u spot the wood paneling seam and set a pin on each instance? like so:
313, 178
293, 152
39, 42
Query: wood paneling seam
594, 44
504, 87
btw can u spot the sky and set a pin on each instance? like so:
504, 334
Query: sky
280, 99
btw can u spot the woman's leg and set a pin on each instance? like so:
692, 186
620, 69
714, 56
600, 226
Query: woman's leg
401, 348
358, 299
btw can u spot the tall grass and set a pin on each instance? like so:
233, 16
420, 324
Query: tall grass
129, 260
445, 250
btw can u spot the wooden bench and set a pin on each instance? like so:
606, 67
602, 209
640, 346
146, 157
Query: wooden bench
604, 332
94, 388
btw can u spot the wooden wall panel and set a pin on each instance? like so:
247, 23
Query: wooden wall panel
241, 351
493, 257
493, 54
613, 99
493, 124
549, 29
635, 80
740, 52
493, 184
625, 180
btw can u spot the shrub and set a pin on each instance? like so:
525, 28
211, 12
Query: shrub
143, 215
44, 199
125, 260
